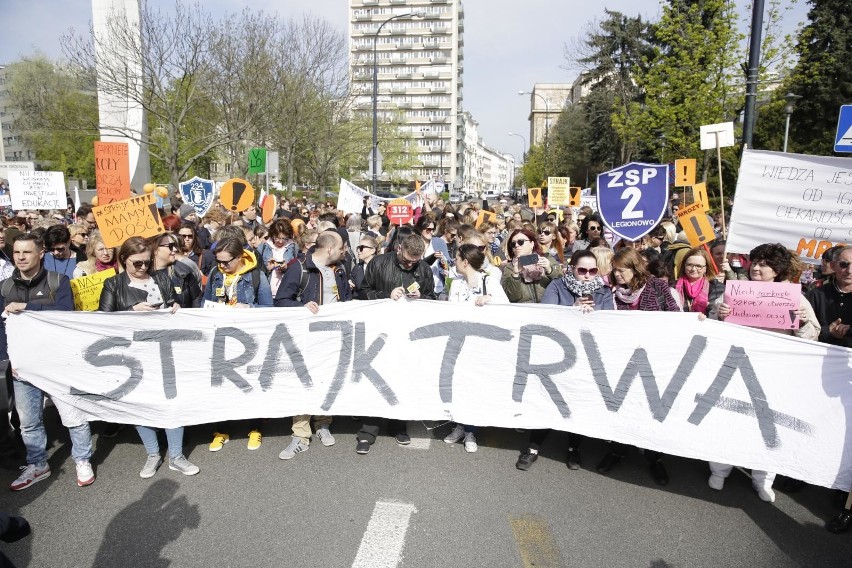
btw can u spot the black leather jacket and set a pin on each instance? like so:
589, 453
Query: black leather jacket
118, 296
384, 274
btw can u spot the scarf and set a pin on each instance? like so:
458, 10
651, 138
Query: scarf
694, 293
626, 297
100, 266
580, 289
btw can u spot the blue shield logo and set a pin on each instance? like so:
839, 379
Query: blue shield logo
198, 192
632, 199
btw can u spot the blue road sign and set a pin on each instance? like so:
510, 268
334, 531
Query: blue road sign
843, 139
633, 198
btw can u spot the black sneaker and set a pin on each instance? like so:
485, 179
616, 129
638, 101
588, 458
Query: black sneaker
610, 461
526, 460
840, 523
574, 462
403, 439
658, 471
362, 447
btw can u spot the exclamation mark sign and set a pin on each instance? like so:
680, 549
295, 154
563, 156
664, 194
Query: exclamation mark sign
694, 220
155, 214
239, 189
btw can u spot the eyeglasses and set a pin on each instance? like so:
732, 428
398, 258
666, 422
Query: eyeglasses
696, 266
545, 233
139, 264
519, 242
594, 228
430, 229
225, 263
185, 236
844, 264
452, 235
170, 246
583, 271
61, 249
362, 247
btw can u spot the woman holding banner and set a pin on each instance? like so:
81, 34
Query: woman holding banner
636, 289
769, 263
697, 286
140, 288
186, 286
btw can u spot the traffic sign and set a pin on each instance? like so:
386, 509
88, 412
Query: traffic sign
400, 211
843, 139
633, 198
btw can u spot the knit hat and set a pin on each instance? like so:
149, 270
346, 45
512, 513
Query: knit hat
186, 210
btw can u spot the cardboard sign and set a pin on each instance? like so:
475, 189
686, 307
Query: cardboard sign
87, 290
534, 197
257, 161
557, 191
576, 197
721, 135
268, 207
399, 211
236, 195
684, 172
6, 167
483, 216
696, 225
763, 304
699, 195
134, 217
112, 171
37, 190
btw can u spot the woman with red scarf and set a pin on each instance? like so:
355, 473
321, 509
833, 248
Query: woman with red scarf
697, 285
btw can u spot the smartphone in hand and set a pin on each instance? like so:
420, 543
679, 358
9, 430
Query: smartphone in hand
528, 259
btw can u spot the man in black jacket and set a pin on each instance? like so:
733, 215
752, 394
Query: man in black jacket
33, 288
396, 275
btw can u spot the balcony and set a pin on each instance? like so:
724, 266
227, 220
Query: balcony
362, 16
370, 2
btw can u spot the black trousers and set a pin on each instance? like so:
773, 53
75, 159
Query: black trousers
370, 429
537, 439
620, 449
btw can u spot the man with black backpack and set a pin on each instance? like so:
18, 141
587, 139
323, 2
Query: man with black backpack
32, 288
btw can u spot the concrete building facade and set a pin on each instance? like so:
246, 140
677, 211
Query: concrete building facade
12, 147
546, 103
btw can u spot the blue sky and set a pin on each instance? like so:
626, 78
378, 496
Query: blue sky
509, 44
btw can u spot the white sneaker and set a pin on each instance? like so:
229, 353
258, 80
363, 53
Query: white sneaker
296, 446
85, 474
30, 474
324, 435
716, 482
470, 443
765, 494
456, 435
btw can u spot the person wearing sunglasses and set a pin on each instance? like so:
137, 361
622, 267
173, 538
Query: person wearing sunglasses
525, 277
237, 279
367, 250
770, 263
582, 287
590, 228
79, 238
281, 249
548, 238
185, 283
100, 257
436, 254
59, 258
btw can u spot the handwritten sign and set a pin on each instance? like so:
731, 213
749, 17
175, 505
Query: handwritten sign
37, 190
87, 290
112, 171
257, 161
763, 304
134, 217
557, 191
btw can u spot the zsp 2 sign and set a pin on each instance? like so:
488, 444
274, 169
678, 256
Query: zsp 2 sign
633, 198
400, 211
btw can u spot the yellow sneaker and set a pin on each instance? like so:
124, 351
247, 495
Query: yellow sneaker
219, 440
255, 438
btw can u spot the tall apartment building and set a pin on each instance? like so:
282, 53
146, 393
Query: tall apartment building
419, 60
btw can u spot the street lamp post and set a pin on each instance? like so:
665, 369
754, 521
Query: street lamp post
376, 93
791, 102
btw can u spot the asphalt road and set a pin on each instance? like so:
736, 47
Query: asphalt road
427, 505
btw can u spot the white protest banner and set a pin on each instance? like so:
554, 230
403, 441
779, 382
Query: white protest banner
763, 304
350, 198
37, 190
803, 202
665, 381
6, 167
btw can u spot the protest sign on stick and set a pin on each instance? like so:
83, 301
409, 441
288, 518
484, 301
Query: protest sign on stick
112, 171
37, 190
557, 191
134, 217
483, 216
763, 304
87, 290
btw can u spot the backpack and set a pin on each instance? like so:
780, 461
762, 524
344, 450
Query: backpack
303, 278
52, 285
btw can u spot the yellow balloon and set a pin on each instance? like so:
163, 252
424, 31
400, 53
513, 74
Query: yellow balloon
149, 188
162, 191
95, 201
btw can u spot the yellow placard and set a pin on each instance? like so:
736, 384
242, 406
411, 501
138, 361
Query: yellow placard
485, 216
134, 217
534, 197
87, 290
557, 190
684, 172
699, 195
696, 225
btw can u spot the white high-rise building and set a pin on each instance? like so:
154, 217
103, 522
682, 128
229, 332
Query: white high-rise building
419, 60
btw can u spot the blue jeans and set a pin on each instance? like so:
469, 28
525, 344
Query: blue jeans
30, 404
174, 436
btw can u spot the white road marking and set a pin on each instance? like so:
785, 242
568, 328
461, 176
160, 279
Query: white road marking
381, 546
421, 438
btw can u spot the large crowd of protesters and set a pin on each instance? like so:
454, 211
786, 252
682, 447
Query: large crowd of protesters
311, 254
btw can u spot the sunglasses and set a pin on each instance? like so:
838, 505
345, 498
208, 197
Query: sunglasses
58, 249
139, 264
84, 235
170, 246
406, 262
519, 242
583, 271
428, 228
362, 247
545, 233
594, 228
844, 264
225, 262
183, 236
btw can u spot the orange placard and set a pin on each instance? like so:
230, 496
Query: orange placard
268, 208
699, 195
534, 198
134, 217
485, 216
696, 225
112, 171
575, 195
236, 195
684, 172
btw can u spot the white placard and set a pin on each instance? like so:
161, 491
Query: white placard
803, 202
37, 190
658, 380
725, 131
6, 167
